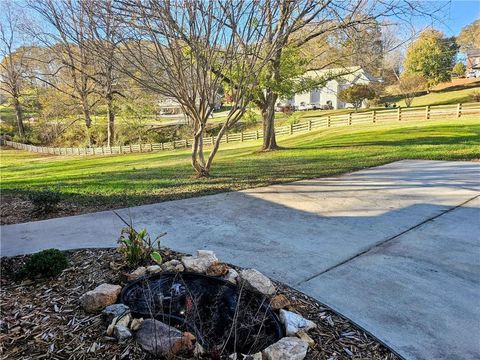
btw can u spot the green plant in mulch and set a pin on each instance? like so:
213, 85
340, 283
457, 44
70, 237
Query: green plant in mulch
45, 201
44, 264
138, 247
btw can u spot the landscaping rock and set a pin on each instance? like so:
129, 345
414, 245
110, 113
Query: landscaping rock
153, 269
256, 356
134, 275
279, 301
101, 296
110, 328
302, 334
114, 311
256, 281
231, 276
173, 266
217, 269
124, 320
200, 262
122, 333
287, 348
136, 323
160, 339
198, 351
294, 322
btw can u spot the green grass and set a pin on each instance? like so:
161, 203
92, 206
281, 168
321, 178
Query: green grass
125, 180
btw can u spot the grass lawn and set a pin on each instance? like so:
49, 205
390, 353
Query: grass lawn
92, 183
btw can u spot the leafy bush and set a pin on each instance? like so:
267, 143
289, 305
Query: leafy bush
137, 247
46, 263
459, 69
475, 95
356, 94
45, 201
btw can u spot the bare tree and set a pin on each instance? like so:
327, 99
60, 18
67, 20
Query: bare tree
67, 52
104, 44
185, 50
13, 60
410, 86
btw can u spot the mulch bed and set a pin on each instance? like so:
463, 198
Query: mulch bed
42, 319
16, 209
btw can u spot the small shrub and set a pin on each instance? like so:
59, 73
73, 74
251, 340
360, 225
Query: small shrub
475, 95
250, 117
45, 201
46, 263
138, 247
293, 118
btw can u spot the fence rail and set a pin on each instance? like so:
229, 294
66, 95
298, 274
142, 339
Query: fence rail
372, 117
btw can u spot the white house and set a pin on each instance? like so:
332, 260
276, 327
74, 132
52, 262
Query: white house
328, 95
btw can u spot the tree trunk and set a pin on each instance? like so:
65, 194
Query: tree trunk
19, 115
268, 115
111, 123
198, 162
88, 121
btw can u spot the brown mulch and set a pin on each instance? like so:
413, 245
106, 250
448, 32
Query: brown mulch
16, 209
42, 319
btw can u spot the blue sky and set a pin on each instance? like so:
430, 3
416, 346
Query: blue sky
455, 15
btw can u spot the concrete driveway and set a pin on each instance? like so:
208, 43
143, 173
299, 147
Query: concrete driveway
394, 248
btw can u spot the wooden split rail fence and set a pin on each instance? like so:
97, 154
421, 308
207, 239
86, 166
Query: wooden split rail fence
370, 117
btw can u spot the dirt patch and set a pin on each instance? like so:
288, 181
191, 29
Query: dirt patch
42, 319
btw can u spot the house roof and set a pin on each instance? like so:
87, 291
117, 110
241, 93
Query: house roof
473, 52
349, 73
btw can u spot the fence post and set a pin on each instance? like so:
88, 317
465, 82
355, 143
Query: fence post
212, 140
309, 125
226, 137
257, 136
328, 121
427, 112
374, 116
399, 113
241, 136
350, 118
186, 143
162, 147
459, 110
173, 144
291, 129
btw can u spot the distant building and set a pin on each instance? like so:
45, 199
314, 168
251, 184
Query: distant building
328, 95
473, 60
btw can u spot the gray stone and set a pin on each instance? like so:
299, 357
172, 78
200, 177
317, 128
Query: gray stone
200, 262
153, 269
100, 297
294, 322
173, 266
256, 281
287, 348
122, 333
160, 339
114, 311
